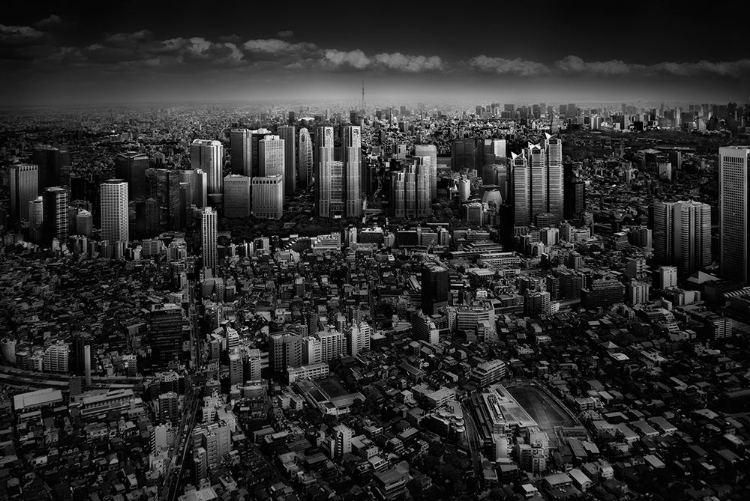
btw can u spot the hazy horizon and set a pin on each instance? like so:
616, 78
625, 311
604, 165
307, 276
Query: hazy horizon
55, 54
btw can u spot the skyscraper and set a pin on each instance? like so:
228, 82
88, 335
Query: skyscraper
198, 182
574, 196
272, 154
494, 149
464, 153
36, 219
682, 234
114, 210
131, 167
241, 155
351, 146
24, 179
538, 180
287, 133
555, 193
520, 191
435, 285
51, 162
208, 237
327, 189
410, 188
305, 165
268, 196
398, 194
237, 191
734, 212
429, 150
208, 155
55, 214
168, 329
423, 172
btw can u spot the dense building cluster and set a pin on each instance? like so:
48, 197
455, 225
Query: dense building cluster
517, 303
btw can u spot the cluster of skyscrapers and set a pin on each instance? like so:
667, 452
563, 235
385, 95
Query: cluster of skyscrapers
537, 182
144, 198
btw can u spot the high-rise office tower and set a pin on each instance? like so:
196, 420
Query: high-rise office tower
168, 329
175, 210
574, 192
494, 149
51, 162
268, 196
423, 172
398, 194
555, 194
241, 156
410, 187
208, 155
682, 235
185, 213
256, 136
36, 219
464, 154
208, 237
429, 150
131, 167
328, 177
55, 214
237, 191
351, 147
114, 210
24, 179
287, 134
520, 191
305, 164
272, 155
734, 212
198, 181
435, 288
538, 180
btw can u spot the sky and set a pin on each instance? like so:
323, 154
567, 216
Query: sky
64, 52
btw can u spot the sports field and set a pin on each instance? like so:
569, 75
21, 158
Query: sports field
542, 408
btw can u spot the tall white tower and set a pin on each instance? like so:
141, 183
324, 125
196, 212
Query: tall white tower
114, 206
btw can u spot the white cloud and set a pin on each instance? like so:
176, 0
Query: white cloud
412, 64
502, 66
355, 58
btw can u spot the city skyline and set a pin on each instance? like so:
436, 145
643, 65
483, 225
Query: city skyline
55, 54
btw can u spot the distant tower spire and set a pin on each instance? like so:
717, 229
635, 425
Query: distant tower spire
363, 96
